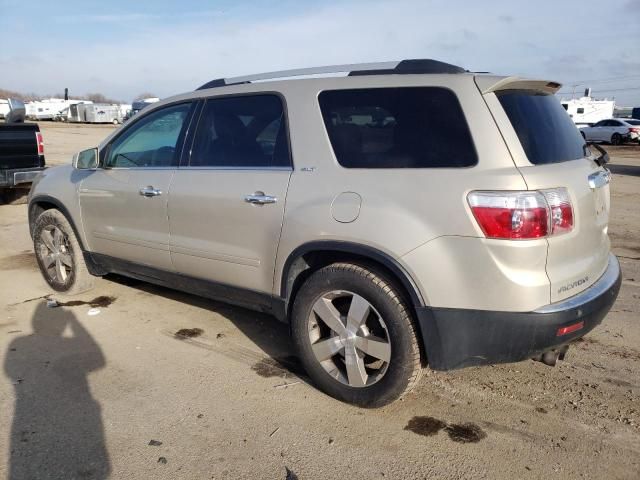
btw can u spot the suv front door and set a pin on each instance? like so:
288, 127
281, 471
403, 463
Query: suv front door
226, 204
124, 201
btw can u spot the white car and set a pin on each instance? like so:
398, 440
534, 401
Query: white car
613, 130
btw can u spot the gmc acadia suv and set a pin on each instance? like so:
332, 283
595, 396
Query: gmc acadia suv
408, 214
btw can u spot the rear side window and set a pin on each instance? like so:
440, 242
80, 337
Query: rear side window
243, 131
547, 134
411, 127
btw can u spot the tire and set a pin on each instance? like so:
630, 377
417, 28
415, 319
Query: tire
59, 254
392, 363
15, 196
616, 139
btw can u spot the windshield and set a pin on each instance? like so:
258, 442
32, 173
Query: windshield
545, 130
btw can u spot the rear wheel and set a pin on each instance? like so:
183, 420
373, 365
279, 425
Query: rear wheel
59, 254
355, 336
616, 139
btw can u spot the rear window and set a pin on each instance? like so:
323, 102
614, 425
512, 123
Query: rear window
633, 122
412, 127
547, 134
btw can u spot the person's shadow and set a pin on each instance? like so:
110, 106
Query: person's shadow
57, 427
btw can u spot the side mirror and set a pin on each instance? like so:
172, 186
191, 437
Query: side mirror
86, 159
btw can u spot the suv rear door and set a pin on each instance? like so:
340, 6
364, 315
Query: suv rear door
226, 203
550, 153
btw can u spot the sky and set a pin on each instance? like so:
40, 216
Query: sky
124, 48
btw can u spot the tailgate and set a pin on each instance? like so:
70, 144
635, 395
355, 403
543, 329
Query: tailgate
575, 260
550, 153
19, 146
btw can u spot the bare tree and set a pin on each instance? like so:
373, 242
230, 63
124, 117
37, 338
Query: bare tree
99, 98
145, 95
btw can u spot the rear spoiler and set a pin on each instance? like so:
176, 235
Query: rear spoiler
492, 83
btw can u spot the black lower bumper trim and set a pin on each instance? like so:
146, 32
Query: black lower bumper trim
456, 338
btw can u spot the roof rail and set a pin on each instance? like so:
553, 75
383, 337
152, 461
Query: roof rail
402, 67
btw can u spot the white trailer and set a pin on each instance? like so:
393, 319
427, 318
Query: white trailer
50, 108
45, 109
95, 113
4, 107
587, 111
102, 113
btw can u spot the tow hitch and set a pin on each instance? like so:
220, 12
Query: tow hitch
552, 356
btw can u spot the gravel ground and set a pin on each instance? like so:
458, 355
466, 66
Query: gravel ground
117, 394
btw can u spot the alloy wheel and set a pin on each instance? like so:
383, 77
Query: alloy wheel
55, 254
349, 338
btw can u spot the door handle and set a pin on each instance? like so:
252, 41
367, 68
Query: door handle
259, 198
150, 191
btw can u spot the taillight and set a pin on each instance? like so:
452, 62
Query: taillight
40, 143
634, 130
560, 209
514, 215
522, 215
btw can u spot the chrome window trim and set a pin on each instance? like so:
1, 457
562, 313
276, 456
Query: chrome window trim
106, 169
604, 283
282, 169
185, 167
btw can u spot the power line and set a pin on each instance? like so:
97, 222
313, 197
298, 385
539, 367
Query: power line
603, 80
605, 91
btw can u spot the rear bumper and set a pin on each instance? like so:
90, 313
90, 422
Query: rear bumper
456, 338
18, 177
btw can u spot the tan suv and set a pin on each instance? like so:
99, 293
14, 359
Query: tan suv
408, 214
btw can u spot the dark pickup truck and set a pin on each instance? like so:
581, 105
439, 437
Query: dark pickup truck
21, 154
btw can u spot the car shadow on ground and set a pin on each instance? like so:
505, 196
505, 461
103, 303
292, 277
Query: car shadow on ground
57, 429
630, 170
263, 330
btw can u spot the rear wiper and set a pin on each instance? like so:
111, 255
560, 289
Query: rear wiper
604, 156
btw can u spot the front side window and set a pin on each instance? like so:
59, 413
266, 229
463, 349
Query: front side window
242, 132
410, 127
547, 134
152, 141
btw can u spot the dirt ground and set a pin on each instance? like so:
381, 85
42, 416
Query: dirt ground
101, 387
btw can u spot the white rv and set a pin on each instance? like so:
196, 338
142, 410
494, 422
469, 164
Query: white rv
45, 109
4, 107
586, 111
50, 108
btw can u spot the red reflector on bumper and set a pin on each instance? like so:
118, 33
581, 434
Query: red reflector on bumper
571, 328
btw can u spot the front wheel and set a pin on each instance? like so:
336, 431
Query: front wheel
355, 336
59, 254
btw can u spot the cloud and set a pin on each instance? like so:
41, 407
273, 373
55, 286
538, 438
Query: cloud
134, 17
173, 53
